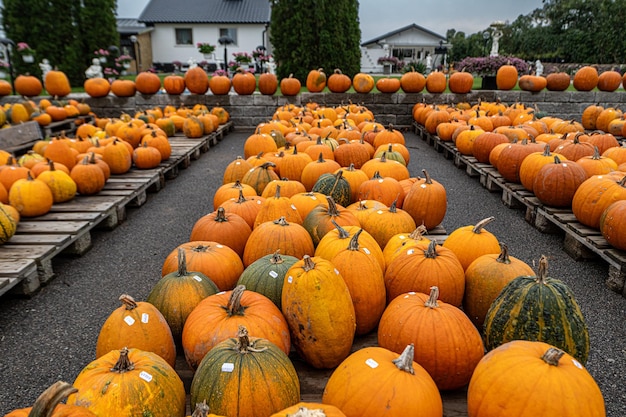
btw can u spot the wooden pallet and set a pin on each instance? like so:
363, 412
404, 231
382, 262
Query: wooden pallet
67, 126
580, 242
26, 260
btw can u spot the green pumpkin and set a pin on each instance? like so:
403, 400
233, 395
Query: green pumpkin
176, 294
335, 186
538, 308
8, 225
266, 275
245, 376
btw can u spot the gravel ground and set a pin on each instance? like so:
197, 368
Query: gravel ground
51, 336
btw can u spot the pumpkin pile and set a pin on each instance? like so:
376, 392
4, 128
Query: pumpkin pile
565, 163
57, 169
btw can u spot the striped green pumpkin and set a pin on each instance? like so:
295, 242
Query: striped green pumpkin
335, 186
245, 376
538, 308
8, 225
266, 275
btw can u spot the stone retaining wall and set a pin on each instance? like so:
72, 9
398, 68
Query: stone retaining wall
249, 111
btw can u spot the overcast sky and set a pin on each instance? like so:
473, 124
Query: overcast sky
379, 17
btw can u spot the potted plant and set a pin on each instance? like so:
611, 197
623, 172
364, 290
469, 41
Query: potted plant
101, 54
124, 60
205, 49
26, 52
390, 64
486, 67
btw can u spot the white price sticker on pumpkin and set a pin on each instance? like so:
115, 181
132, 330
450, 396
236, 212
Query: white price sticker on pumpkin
273, 274
197, 278
228, 367
367, 251
144, 318
410, 252
290, 279
371, 363
129, 320
145, 376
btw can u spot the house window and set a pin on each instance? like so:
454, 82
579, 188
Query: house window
183, 37
230, 32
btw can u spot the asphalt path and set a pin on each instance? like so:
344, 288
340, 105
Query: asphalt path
52, 335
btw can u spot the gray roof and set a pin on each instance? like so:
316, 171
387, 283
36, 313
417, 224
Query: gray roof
206, 11
130, 26
404, 29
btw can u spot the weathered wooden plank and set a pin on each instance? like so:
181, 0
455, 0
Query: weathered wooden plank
16, 267
20, 137
75, 227
40, 239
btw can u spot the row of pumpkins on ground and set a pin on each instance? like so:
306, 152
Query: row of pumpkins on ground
566, 163
314, 286
57, 169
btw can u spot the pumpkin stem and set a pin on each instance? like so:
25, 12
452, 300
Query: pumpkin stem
405, 361
354, 242
276, 258
427, 179
418, 233
309, 265
201, 410
242, 199
243, 343
277, 194
431, 251
123, 364
503, 258
343, 233
220, 216
333, 211
393, 208
50, 398
128, 302
281, 221
542, 274
552, 356
234, 307
433, 297
557, 160
182, 262
479, 226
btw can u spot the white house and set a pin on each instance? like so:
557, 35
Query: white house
177, 28
411, 43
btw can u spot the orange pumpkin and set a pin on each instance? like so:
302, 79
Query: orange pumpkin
28, 85
123, 88
97, 87
586, 78
290, 86
48, 404
470, 242
532, 83
244, 83
388, 84
558, 81
219, 84
339, 82
506, 77
460, 82
147, 82
57, 84
174, 84
197, 80
363, 83
436, 82
316, 80
268, 84
412, 81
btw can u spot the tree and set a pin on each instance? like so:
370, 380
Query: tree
307, 35
66, 32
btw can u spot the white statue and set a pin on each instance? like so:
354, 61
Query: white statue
538, 68
429, 63
192, 63
495, 44
95, 70
45, 68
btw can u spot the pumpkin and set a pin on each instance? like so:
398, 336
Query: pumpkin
319, 220
118, 156
470, 242
138, 325
174, 84
392, 385
219, 84
509, 377
363, 275
436, 82
538, 308
597, 164
217, 318
506, 77
88, 176
232, 190
147, 82
61, 184
609, 81
123, 88
226, 228
386, 168
308, 409
258, 143
5, 88
555, 184
586, 78
8, 224
290, 86
97, 87
426, 202
146, 157
612, 223
323, 335
388, 85
176, 294
48, 404
259, 176
218, 262
245, 376
558, 81
335, 186
267, 274
438, 331
363, 83
274, 207
28, 85
123, 383
532, 83
316, 80
268, 84
315, 169
484, 144
31, 197
159, 142
57, 84
197, 80
244, 83
339, 82
511, 157
460, 82
595, 194
484, 279
412, 81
